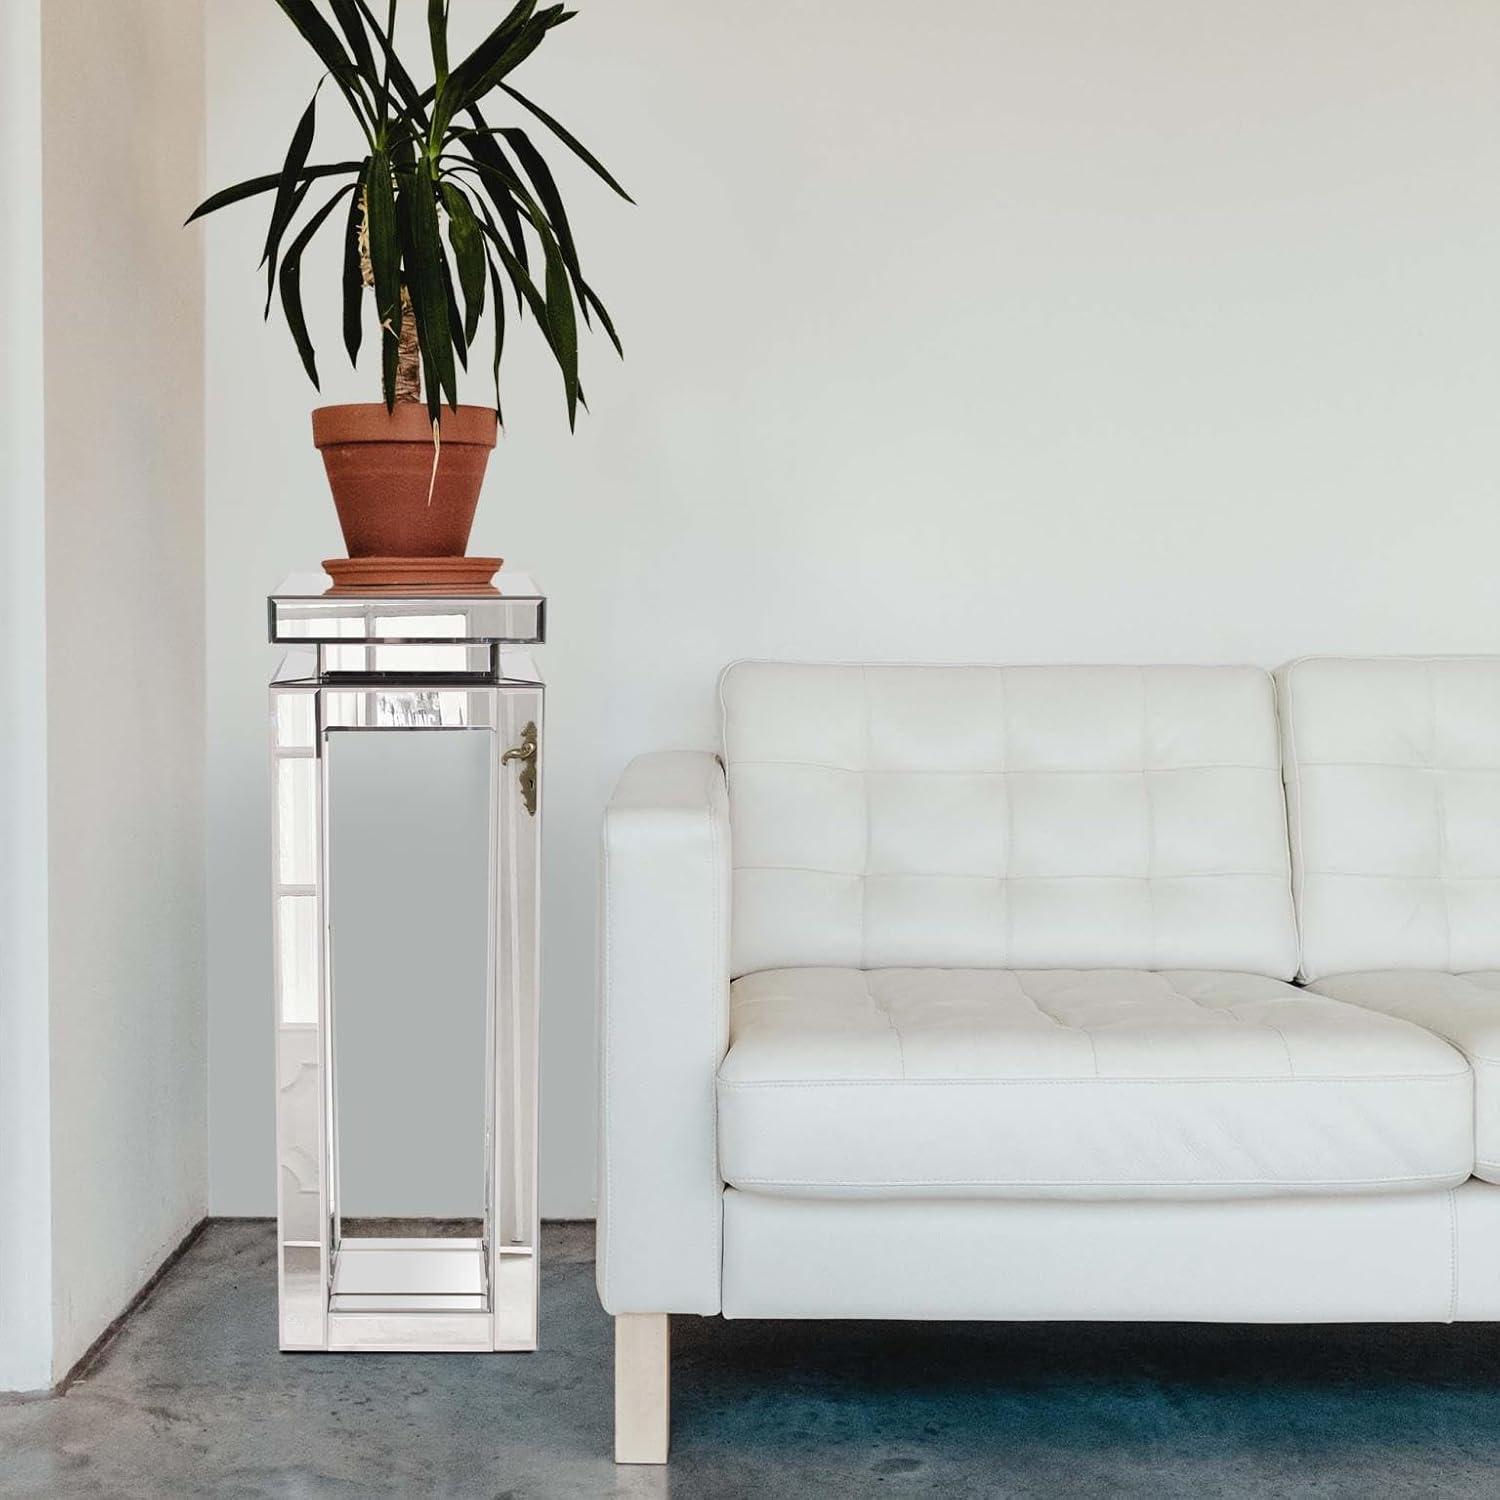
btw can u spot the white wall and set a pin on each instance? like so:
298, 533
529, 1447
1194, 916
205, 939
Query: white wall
122, 102
1007, 329
25, 1111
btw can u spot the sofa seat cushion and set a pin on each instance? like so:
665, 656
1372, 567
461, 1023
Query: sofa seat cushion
1464, 1009
1103, 1083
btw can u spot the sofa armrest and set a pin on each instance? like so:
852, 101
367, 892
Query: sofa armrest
664, 1016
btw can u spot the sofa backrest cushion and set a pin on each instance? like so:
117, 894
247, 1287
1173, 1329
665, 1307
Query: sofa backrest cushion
1393, 790
989, 816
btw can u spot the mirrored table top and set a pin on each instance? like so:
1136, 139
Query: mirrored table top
310, 609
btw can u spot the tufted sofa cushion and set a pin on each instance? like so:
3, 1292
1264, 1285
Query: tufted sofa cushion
1393, 785
904, 1083
1007, 817
1463, 1009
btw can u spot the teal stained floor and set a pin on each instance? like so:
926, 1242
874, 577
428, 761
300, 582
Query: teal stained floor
193, 1400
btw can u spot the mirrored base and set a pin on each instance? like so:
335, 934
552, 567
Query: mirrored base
383, 1297
409, 1275
410, 1292
412, 1333
433, 1110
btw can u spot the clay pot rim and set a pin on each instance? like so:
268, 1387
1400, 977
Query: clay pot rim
370, 422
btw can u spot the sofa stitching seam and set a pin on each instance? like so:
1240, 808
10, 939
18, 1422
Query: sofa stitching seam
1287, 754
1017, 978
864, 786
1153, 1079
605, 1152
1452, 1255
828, 765
1408, 875
1151, 940
1442, 821
1046, 1015
890, 1021
1232, 1011
1082, 1182
1341, 765
989, 876
1295, 830
719, 1038
1007, 910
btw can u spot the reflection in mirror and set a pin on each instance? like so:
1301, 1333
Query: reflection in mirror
297, 941
296, 832
294, 721
408, 831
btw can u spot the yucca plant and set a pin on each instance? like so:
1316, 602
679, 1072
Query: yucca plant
435, 170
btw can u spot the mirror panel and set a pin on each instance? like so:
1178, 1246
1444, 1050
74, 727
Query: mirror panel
410, 932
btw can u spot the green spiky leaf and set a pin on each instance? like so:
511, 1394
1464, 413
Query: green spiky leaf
455, 317
291, 283
395, 74
290, 190
468, 254
502, 181
527, 40
604, 318
385, 262
422, 251
354, 275
253, 186
497, 301
561, 321
437, 34
551, 200
520, 279
347, 15
568, 139
468, 72
322, 38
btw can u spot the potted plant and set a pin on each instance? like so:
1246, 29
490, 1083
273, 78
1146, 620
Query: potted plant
441, 216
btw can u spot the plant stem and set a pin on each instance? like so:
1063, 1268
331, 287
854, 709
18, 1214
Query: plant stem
409, 354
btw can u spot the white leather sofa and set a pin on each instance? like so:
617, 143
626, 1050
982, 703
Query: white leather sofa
970, 992
1393, 799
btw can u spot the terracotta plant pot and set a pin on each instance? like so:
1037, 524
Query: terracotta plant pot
379, 467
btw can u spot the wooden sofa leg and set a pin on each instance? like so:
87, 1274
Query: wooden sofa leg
642, 1388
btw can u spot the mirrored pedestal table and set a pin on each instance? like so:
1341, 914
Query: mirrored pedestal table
406, 730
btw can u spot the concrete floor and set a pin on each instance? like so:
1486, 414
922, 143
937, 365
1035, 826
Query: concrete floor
194, 1400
